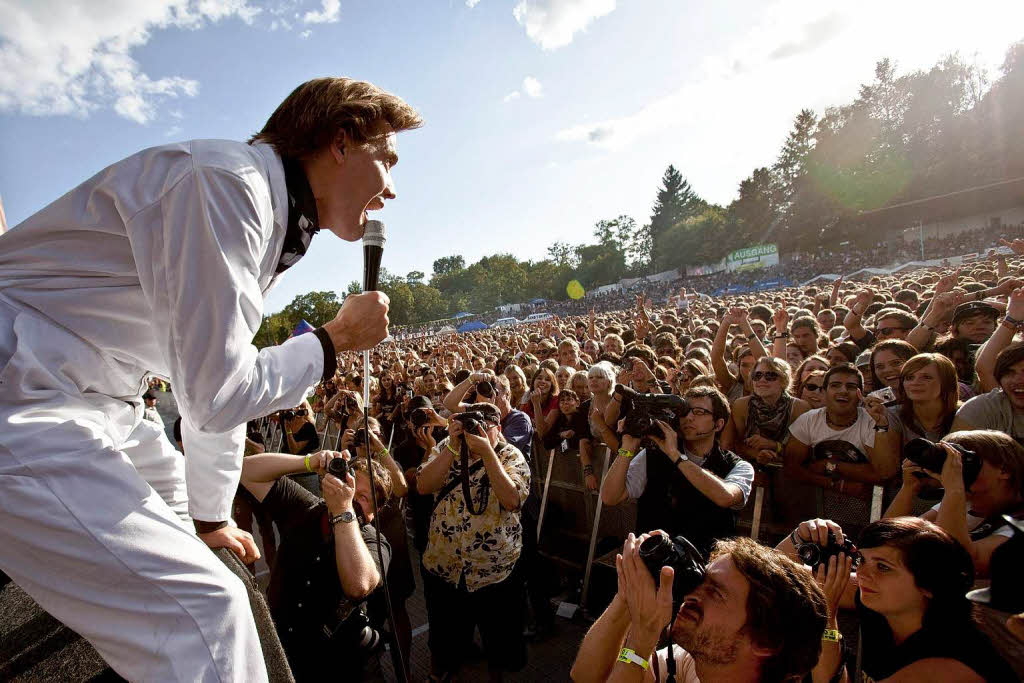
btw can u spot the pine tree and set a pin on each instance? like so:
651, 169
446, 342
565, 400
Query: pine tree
676, 201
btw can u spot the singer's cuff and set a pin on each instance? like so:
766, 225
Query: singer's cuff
330, 355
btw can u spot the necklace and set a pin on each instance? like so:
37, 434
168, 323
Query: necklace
832, 423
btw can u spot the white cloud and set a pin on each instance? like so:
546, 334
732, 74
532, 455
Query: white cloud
553, 23
794, 54
472, 3
305, 34
532, 87
74, 56
512, 96
330, 12
173, 131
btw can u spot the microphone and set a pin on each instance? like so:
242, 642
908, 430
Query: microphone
374, 237
373, 249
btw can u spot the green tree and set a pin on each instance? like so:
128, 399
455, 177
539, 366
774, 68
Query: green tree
415, 276
316, 308
449, 264
675, 201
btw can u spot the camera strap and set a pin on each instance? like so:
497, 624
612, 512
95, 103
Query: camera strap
451, 486
467, 494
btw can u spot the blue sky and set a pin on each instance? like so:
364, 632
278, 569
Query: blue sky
542, 116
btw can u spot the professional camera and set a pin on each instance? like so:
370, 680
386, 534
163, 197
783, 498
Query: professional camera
813, 554
661, 551
338, 467
644, 409
360, 438
932, 456
419, 417
286, 415
354, 632
470, 420
485, 389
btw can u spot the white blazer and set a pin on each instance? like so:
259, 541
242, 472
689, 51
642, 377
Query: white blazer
159, 264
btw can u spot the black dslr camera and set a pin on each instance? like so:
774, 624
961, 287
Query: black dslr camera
661, 551
339, 468
485, 389
419, 417
471, 421
932, 456
643, 409
813, 554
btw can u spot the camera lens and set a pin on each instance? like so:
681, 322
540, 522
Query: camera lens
810, 554
338, 467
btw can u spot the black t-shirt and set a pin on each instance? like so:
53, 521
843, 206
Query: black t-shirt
968, 645
578, 423
307, 433
409, 455
305, 592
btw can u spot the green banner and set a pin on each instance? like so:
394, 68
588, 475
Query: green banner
753, 252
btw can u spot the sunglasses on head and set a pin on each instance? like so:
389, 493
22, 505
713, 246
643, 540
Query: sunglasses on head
767, 375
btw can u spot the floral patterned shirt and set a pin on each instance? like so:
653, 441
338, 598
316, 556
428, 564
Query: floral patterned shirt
484, 547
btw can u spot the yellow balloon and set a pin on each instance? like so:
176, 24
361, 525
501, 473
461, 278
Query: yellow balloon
574, 289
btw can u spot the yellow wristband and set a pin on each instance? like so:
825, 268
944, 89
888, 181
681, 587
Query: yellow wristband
832, 635
306, 460
625, 453
630, 657
449, 447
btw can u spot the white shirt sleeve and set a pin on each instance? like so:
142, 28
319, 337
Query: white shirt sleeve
636, 475
198, 252
742, 474
801, 428
867, 428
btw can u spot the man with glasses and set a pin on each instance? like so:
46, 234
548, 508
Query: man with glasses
683, 481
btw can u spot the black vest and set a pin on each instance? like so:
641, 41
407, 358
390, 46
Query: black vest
670, 502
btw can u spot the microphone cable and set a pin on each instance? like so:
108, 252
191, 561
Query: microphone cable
403, 674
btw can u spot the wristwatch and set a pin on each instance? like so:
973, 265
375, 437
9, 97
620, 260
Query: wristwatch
347, 517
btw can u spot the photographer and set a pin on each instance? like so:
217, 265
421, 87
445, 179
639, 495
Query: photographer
299, 430
909, 589
327, 564
974, 498
694, 488
754, 617
421, 427
516, 426
480, 483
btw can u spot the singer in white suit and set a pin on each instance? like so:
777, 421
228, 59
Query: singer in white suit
159, 265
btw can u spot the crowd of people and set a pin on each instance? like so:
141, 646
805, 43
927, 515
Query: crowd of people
910, 387
794, 268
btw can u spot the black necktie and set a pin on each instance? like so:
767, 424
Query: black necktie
302, 218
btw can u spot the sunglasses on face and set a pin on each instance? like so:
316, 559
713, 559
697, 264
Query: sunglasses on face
812, 387
767, 375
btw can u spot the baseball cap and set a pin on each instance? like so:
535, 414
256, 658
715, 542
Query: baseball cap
972, 309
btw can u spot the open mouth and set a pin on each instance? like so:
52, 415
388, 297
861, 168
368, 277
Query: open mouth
689, 611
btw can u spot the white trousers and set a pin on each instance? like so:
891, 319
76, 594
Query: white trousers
93, 521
